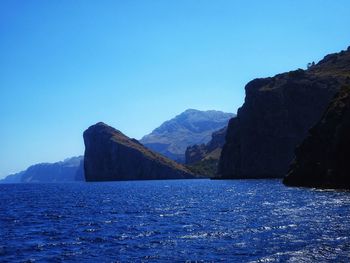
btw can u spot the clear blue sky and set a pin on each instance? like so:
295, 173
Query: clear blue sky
65, 65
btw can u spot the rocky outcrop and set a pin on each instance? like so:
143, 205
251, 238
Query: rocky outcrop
59, 172
323, 159
188, 128
112, 156
276, 116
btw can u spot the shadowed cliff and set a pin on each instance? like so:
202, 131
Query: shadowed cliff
323, 159
276, 116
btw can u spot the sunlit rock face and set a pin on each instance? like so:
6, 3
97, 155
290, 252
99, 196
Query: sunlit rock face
323, 159
111, 156
276, 117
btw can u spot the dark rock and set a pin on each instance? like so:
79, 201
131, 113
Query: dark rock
188, 128
276, 116
111, 156
323, 159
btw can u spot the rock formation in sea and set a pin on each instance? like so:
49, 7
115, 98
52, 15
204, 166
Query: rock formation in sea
59, 172
188, 128
112, 156
203, 158
323, 159
276, 116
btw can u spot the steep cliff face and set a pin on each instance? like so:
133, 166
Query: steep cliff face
111, 156
188, 128
276, 116
323, 159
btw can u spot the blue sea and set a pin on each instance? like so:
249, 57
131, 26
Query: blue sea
173, 221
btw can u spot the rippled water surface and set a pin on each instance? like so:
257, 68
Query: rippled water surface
203, 220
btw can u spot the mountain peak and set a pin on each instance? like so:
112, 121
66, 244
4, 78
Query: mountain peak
188, 128
191, 110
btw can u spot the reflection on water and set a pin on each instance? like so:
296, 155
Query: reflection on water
236, 221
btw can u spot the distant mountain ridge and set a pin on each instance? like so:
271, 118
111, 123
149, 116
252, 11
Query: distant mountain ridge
69, 170
188, 128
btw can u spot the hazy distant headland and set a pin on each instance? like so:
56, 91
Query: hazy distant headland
69, 170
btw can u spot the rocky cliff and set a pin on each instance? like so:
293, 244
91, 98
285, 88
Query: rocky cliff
112, 156
188, 128
323, 159
276, 116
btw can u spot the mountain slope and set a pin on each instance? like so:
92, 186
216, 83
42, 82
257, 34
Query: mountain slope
276, 117
190, 127
112, 156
